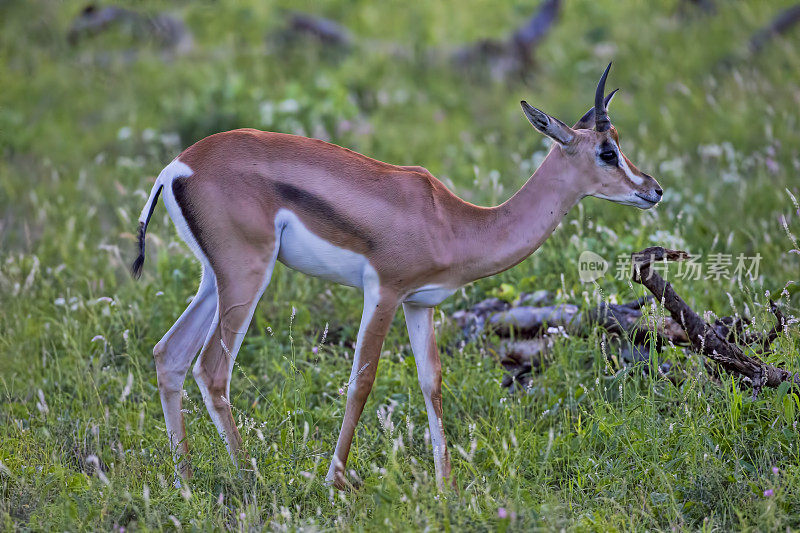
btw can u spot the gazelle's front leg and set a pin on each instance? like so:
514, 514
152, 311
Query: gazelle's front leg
379, 309
419, 321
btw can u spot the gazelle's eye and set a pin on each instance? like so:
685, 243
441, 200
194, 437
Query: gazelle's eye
609, 156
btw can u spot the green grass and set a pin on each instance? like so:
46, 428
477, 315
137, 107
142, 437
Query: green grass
83, 132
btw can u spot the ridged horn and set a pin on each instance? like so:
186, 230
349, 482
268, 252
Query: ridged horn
601, 122
587, 120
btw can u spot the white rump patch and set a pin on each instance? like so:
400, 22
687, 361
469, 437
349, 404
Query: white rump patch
179, 169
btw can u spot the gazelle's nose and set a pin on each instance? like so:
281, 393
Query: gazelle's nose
659, 192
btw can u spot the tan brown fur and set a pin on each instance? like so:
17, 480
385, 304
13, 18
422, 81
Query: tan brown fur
410, 228
353, 185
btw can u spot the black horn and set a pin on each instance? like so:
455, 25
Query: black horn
601, 122
587, 120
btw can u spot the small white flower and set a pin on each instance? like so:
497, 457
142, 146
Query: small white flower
41, 405
267, 111
93, 460
290, 105
127, 390
170, 139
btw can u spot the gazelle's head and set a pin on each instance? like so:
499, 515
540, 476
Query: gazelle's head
591, 148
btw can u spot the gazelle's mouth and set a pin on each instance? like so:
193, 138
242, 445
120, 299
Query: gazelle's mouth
647, 199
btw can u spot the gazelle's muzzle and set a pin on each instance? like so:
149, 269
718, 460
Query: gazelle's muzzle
650, 196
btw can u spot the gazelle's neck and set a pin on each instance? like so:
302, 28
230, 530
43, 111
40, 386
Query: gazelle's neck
510, 232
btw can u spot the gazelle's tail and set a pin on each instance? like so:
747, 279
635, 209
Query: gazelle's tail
144, 219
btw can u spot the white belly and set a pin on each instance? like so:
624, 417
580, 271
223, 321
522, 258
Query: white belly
302, 250
429, 295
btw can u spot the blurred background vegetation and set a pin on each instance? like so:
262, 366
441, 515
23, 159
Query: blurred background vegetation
88, 118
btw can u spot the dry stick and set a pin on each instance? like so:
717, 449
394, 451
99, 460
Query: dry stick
532, 321
766, 340
169, 31
515, 52
526, 38
704, 338
326, 31
779, 25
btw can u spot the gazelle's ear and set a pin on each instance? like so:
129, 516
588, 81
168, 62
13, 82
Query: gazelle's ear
587, 121
550, 126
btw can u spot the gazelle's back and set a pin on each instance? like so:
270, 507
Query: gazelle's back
340, 196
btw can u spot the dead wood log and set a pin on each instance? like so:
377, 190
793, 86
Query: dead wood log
626, 320
628, 342
168, 31
531, 320
766, 340
630, 335
303, 26
514, 54
526, 38
472, 321
706, 6
780, 24
705, 338
521, 358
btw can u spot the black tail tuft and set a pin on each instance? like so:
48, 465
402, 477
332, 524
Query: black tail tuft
136, 267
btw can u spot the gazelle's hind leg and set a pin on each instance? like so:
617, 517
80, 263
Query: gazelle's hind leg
173, 356
240, 286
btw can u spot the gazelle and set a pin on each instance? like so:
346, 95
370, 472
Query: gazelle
244, 199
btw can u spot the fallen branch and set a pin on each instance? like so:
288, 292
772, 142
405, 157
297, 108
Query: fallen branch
527, 327
534, 31
168, 31
303, 27
706, 6
705, 338
514, 54
521, 358
780, 24
534, 320
529, 320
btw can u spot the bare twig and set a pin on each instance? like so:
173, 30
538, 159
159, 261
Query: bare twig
167, 30
514, 54
705, 338
780, 24
325, 31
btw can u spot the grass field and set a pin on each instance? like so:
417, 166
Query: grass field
85, 129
